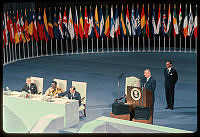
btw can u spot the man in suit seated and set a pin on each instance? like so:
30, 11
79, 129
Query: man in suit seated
71, 94
53, 90
30, 87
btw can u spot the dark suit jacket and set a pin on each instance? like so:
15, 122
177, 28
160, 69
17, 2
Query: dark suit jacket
33, 88
76, 96
171, 77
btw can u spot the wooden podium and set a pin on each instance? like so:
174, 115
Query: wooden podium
138, 97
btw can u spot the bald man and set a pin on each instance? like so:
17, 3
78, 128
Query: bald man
30, 87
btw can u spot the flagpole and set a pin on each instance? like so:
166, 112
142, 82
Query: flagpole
190, 45
102, 43
66, 46
4, 55
149, 43
164, 43
123, 44
196, 45
56, 47
7, 53
143, 44
82, 44
128, 44
138, 44
97, 44
87, 45
169, 44
51, 48
154, 48
76, 45
10, 52
133, 45
36, 47
61, 46
32, 47
41, 47
92, 44
107, 44
19, 51
46, 49
15, 52
174, 43
180, 44
112, 45
23, 50
185, 44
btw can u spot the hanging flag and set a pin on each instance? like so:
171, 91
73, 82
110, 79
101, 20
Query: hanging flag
147, 24
164, 28
60, 25
30, 22
107, 23
46, 34
102, 29
86, 23
55, 26
96, 24
40, 26
70, 24
175, 22
112, 27
128, 24
35, 34
9, 37
50, 25
76, 22
195, 23
190, 23
18, 26
180, 20
5, 31
185, 23
143, 21
10, 29
158, 21
22, 27
81, 29
65, 28
169, 22
133, 22
26, 27
138, 22
91, 26
122, 24
117, 25
153, 23
15, 29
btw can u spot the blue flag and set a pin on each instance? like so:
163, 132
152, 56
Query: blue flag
55, 26
138, 23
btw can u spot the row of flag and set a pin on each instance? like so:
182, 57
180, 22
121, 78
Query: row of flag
23, 27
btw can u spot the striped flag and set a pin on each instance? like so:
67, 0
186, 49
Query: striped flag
30, 21
22, 26
46, 35
143, 21
101, 23
164, 28
122, 24
70, 24
117, 26
81, 29
35, 34
153, 23
185, 23
158, 22
112, 23
86, 23
138, 23
55, 26
96, 24
128, 24
169, 22
60, 24
65, 28
180, 19
50, 25
10, 28
133, 23
91, 27
26, 27
175, 22
190, 23
76, 22
195, 23
16, 24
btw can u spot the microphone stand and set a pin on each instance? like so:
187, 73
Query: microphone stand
119, 78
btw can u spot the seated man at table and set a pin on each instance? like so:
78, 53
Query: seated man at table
30, 87
53, 90
71, 94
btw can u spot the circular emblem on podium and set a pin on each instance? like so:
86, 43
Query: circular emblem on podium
135, 94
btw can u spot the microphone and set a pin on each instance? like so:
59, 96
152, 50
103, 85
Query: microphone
120, 76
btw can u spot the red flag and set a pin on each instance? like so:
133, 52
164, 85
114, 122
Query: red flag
50, 25
40, 26
76, 23
35, 34
81, 29
86, 23
26, 28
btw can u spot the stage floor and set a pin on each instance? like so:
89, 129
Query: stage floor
101, 72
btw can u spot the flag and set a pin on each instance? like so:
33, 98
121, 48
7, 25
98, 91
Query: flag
55, 26
138, 22
122, 24
5, 31
180, 19
40, 26
70, 24
143, 21
26, 27
91, 26
30, 22
65, 28
133, 22
18, 26
22, 27
15, 29
76, 22
60, 25
96, 24
117, 25
35, 34
86, 23
185, 23
175, 22
169, 22
147, 25
46, 34
158, 22
81, 29
128, 24
107, 23
190, 23
112, 27
50, 25
102, 29
10, 28
195, 23
164, 28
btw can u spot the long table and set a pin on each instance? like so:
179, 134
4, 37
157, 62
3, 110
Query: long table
20, 115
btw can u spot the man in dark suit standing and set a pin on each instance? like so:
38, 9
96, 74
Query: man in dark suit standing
30, 87
171, 78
